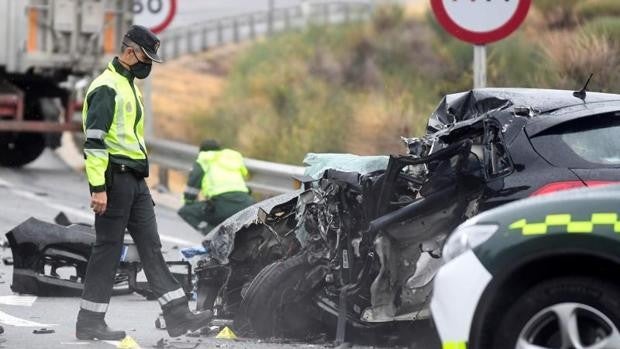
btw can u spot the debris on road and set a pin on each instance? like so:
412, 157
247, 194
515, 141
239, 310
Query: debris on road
226, 333
177, 344
160, 323
43, 331
128, 343
50, 260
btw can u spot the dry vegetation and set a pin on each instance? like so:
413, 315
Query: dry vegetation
358, 88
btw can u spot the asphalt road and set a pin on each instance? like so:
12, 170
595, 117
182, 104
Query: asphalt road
48, 186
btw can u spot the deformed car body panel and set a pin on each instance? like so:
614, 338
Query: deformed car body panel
220, 241
50, 260
495, 123
35, 244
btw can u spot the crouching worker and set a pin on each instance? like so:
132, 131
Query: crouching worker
116, 165
219, 175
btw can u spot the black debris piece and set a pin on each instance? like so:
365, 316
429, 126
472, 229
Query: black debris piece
43, 331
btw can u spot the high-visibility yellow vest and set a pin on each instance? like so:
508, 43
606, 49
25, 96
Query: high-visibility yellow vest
125, 138
224, 172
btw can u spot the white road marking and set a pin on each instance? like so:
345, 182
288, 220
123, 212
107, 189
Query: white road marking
82, 214
11, 320
24, 301
76, 343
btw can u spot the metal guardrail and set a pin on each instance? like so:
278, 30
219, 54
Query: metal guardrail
265, 177
248, 27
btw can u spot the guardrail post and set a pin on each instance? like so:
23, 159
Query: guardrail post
287, 19
176, 48
235, 30
190, 44
252, 27
326, 13
220, 33
270, 18
306, 11
205, 38
163, 178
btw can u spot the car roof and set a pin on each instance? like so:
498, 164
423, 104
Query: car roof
549, 107
543, 100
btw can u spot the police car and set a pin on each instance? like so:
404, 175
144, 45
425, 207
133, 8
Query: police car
535, 274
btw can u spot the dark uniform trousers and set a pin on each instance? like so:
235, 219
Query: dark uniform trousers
129, 206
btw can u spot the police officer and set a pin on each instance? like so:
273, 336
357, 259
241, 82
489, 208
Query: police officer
219, 174
116, 165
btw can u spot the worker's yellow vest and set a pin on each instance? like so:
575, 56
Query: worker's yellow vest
124, 137
224, 172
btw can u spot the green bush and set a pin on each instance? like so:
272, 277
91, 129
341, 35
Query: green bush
608, 27
558, 14
510, 62
357, 88
590, 9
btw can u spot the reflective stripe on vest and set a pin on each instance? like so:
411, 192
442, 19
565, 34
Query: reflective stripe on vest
121, 139
454, 345
224, 172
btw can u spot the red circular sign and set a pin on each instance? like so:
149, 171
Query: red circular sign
167, 20
480, 21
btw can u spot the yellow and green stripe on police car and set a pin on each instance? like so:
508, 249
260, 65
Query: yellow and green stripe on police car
567, 221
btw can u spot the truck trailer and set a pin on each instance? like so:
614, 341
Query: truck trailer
48, 50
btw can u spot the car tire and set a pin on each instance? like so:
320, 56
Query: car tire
19, 149
534, 315
265, 306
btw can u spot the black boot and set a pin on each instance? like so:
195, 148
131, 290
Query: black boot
92, 326
179, 319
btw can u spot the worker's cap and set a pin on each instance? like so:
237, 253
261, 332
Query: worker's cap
209, 144
148, 42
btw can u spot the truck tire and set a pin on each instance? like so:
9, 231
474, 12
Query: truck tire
540, 314
19, 149
268, 304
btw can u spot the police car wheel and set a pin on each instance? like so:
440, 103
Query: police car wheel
568, 312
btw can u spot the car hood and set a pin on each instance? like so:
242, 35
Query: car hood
220, 240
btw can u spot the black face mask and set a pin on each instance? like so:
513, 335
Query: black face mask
140, 69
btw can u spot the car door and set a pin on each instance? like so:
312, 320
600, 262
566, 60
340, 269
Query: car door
588, 146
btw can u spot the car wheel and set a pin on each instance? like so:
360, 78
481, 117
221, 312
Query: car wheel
19, 149
273, 304
566, 313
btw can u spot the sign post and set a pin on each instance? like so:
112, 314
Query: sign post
480, 66
480, 22
157, 15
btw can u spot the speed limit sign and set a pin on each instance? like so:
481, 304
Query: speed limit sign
480, 21
154, 14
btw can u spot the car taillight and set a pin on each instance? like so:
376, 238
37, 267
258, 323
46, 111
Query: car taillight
559, 186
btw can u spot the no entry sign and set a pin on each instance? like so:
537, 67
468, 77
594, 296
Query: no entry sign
480, 21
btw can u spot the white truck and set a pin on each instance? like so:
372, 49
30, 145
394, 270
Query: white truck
46, 48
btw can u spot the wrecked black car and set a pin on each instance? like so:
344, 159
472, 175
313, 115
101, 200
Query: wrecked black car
360, 249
